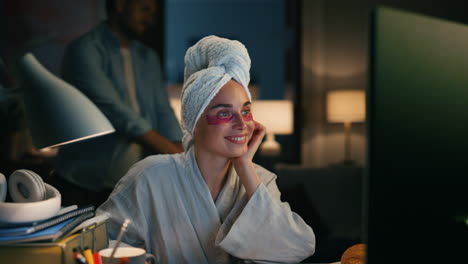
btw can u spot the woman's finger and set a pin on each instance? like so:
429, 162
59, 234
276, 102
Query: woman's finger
256, 140
258, 133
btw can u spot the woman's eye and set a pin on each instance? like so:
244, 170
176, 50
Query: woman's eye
224, 114
245, 112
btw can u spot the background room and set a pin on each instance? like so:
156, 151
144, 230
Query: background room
308, 53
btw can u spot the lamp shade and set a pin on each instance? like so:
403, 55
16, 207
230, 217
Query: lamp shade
275, 115
176, 106
57, 112
346, 106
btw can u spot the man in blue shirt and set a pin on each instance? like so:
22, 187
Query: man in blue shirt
123, 78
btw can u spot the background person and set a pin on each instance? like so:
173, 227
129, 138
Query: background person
123, 78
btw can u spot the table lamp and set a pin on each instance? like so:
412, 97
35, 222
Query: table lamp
277, 117
346, 106
57, 112
176, 106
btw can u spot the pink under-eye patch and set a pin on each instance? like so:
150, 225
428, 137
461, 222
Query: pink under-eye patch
248, 117
216, 120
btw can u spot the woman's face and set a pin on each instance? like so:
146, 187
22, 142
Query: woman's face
226, 126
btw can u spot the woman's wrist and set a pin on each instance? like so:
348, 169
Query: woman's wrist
247, 175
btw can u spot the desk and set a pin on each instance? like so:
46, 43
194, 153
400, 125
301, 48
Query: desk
60, 252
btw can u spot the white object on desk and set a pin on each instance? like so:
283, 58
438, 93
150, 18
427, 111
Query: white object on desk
32, 211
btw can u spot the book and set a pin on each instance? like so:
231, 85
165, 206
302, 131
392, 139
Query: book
91, 222
62, 210
50, 234
30, 228
58, 252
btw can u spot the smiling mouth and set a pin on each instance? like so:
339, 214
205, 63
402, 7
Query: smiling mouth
237, 139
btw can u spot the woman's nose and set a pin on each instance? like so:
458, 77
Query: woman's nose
238, 122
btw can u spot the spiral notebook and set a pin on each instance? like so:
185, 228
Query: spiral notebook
52, 224
50, 234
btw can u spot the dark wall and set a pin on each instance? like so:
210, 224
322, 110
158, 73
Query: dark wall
260, 24
44, 27
335, 35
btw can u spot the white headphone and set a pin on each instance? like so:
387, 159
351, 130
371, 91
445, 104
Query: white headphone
23, 186
33, 200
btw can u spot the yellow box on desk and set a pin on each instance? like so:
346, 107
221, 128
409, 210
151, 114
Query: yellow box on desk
60, 252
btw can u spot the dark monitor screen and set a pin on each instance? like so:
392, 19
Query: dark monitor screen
417, 173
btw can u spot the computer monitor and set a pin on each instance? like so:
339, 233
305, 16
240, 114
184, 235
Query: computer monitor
417, 173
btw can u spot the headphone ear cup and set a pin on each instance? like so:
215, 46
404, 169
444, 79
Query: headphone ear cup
3, 188
26, 186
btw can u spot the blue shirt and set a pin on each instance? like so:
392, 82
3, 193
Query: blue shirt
93, 64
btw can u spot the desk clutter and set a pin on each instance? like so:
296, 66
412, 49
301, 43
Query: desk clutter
47, 230
34, 228
63, 251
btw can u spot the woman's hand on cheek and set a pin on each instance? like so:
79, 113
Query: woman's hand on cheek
257, 137
253, 144
243, 164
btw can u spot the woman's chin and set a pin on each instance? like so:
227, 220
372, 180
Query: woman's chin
238, 152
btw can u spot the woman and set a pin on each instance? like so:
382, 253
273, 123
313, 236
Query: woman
211, 204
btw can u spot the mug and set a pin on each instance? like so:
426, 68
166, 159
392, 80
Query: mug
127, 255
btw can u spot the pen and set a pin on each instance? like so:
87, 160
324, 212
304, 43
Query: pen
119, 237
88, 254
79, 259
97, 258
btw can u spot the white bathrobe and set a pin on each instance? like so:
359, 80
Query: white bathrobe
175, 218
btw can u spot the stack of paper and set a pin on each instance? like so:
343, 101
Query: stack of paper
48, 230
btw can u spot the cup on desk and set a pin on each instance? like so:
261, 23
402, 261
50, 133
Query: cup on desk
127, 255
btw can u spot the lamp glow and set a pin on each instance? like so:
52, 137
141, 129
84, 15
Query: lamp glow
277, 117
346, 106
57, 112
176, 106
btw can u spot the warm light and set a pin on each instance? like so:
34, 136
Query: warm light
176, 106
277, 117
346, 106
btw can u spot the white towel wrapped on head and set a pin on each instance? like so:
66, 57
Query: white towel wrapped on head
209, 65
